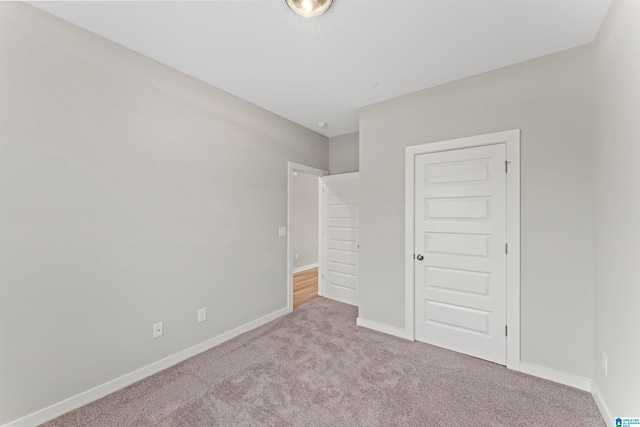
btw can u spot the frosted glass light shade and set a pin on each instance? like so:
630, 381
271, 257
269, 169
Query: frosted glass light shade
309, 8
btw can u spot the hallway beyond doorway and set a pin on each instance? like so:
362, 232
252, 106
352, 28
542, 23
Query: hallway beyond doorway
305, 286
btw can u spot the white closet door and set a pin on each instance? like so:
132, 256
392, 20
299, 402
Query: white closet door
460, 261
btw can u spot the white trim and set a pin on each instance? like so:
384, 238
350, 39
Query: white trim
291, 168
511, 139
571, 380
305, 267
513, 239
409, 227
602, 406
60, 408
320, 237
384, 328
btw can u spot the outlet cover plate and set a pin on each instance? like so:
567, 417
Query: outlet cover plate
202, 314
158, 329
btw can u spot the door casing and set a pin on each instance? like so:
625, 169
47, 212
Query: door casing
511, 139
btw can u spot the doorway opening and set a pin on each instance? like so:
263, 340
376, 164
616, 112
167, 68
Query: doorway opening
304, 237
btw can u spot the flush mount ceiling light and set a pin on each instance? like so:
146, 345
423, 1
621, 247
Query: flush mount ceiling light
309, 8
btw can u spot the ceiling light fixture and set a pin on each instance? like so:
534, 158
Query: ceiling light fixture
309, 8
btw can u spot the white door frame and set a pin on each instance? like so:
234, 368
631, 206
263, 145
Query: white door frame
291, 168
511, 139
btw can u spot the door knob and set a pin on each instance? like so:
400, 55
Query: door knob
420, 257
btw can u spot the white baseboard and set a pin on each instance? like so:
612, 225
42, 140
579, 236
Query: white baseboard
556, 376
305, 267
109, 387
383, 327
602, 406
571, 380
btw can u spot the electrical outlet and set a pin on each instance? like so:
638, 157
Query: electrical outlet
605, 363
202, 314
282, 231
297, 256
157, 329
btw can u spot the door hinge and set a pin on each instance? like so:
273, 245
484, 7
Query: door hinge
505, 330
506, 166
506, 248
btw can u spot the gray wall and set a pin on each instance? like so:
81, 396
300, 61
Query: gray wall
304, 214
550, 99
344, 153
130, 194
617, 208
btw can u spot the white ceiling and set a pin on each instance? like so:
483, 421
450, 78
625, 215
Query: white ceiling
360, 52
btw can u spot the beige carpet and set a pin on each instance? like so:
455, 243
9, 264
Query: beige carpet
314, 367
